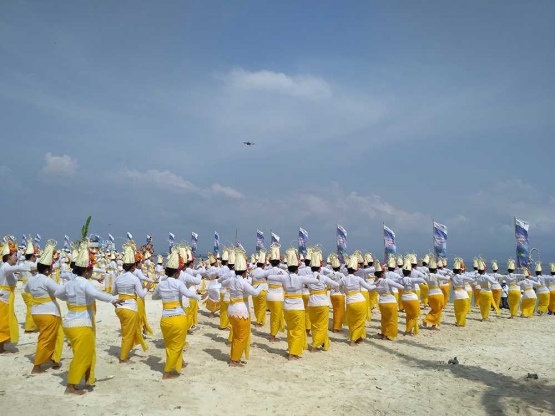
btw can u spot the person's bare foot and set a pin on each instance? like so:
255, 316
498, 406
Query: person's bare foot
273, 339
237, 364
314, 349
70, 389
359, 341
292, 357
434, 328
184, 364
37, 370
352, 344
56, 365
169, 376
128, 361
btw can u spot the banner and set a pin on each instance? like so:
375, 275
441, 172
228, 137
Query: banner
303, 241
148, 239
389, 242
216, 244
23, 241
259, 241
239, 245
275, 238
66, 242
341, 242
111, 237
521, 236
440, 240
129, 236
37, 240
194, 241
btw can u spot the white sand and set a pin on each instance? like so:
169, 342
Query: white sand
408, 376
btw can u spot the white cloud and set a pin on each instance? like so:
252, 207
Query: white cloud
306, 86
175, 183
59, 165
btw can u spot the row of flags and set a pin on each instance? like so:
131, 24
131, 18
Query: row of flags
390, 247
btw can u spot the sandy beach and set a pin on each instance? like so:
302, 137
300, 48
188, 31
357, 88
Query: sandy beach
408, 376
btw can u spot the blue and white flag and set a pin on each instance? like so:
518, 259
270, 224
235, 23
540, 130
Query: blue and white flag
129, 236
37, 240
341, 242
275, 238
111, 237
216, 243
303, 241
389, 242
23, 241
148, 239
239, 245
440, 239
259, 240
522, 250
66, 242
194, 241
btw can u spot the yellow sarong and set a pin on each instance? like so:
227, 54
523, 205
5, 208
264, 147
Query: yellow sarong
174, 331
486, 302
446, 290
476, 293
51, 339
307, 324
412, 312
366, 296
338, 304
29, 323
143, 321
462, 307
131, 333
319, 316
296, 332
224, 318
424, 289
83, 344
212, 305
389, 322
514, 301
497, 297
192, 311
528, 306
9, 328
277, 322
356, 316
543, 301
372, 300
437, 302
241, 336
260, 306
552, 301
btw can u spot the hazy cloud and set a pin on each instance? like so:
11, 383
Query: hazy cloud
59, 165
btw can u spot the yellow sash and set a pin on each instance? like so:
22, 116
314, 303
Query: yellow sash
257, 283
541, 287
512, 284
127, 297
458, 288
12, 318
319, 292
353, 292
293, 296
171, 305
41, 301
235, 300
79, 308
275, 286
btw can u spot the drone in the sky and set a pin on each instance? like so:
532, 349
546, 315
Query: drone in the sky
249, 143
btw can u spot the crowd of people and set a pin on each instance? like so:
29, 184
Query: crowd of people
296, 290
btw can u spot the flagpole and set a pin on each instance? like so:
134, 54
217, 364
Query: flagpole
383, 238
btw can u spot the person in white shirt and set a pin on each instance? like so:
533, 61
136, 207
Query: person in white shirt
411, 304
128, 287
515, 294
240, 290
46, 312
318, 303
435, 296
30, 260
387, 304
529, 297
275, 295
174, 321
80, 324
542, 292
486, 297
9, 328
293, 307
259, 276
551, 281
462, 298
357, 307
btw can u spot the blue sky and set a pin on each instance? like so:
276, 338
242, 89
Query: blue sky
363, 112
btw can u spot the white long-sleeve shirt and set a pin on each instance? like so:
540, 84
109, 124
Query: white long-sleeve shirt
410, 285
352, 287
320, 299
434, 280
384, 287
142, 277
43, 287
528, 286
239, 291
128, 284
172, 290
542, 283
8, 278
485, 281
293, 286
81, 292
275, 288
460, 281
